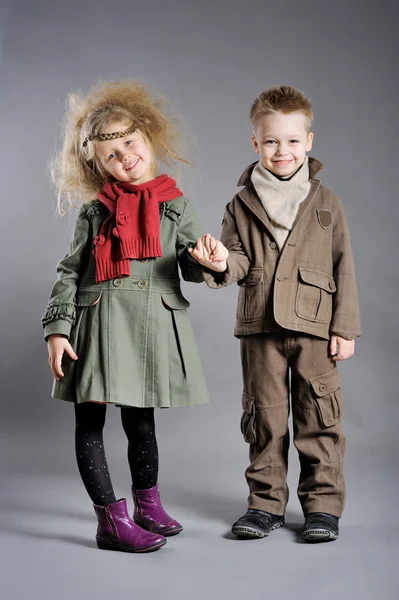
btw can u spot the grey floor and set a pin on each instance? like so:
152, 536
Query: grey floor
47, 525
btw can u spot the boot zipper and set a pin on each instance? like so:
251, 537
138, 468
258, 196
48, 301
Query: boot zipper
111, 523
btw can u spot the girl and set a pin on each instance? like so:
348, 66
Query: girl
116, 322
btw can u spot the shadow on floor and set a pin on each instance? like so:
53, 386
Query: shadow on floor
294, 524
222, 508
225, 509
46, 510
37, 535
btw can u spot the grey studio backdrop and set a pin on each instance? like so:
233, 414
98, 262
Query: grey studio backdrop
210, 59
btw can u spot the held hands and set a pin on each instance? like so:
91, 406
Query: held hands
340, 348
210, 253
57, 345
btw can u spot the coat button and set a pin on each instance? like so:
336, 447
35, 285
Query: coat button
143, 260
141, 284
280, 278
117, 282
273, 245
322, 387
331, 285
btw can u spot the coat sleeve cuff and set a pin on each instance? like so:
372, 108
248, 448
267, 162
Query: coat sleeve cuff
194, 264
216, 280
59, 326
345, 335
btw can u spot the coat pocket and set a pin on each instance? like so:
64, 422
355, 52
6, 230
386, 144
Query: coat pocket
248, 418
328, 395
181, 346
88, 298
175, 300
314, 296
83, 333
251, 298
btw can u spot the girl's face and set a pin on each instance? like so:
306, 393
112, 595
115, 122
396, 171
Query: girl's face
282, 141
128, 158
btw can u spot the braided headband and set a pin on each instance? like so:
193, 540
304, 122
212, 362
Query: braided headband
103, 137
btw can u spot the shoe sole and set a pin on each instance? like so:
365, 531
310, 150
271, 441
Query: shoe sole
167, 533
319, 534
250, 533
104, 545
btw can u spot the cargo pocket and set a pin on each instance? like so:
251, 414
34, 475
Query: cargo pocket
248, 418
328, 395
314, 296
251, 298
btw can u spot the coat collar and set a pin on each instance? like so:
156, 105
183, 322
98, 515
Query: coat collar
249, 196
314, 167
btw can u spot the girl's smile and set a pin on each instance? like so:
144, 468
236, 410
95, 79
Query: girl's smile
131, 164
129, 158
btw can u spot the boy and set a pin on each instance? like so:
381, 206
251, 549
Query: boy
290, 253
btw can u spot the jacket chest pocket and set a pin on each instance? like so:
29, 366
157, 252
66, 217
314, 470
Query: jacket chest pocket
251, 298
314, 296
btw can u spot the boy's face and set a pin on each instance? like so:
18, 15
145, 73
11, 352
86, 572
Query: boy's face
282, 141
128, 158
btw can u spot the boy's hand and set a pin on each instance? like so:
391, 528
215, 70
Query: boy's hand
58, 344
210, 253
340, 348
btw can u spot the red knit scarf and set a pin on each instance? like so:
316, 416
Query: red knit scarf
132, 230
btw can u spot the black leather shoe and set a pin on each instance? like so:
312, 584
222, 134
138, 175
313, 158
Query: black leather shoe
320, 527
256, 524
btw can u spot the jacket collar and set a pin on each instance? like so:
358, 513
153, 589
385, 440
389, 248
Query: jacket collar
314, 167
249, 196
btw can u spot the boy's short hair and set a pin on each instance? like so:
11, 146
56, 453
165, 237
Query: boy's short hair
284, 99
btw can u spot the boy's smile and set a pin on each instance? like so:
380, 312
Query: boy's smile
282, 141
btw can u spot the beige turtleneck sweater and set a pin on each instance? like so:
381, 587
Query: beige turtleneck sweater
281, 199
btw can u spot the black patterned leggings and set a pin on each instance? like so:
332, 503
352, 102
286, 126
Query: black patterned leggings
139, 426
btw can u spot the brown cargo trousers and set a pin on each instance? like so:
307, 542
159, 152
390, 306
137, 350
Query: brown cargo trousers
316, 397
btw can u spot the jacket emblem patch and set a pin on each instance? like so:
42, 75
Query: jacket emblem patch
324, 217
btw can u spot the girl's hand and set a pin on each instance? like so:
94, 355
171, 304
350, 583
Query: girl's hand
340, 348
210, 253
58, 344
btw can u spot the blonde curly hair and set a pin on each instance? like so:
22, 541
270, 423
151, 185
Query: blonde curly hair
75, 170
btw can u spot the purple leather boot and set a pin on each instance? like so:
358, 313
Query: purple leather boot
117, 531
150, 514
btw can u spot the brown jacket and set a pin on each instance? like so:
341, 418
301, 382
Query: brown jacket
310, 286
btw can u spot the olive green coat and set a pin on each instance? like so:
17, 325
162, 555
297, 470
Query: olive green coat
132, 335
